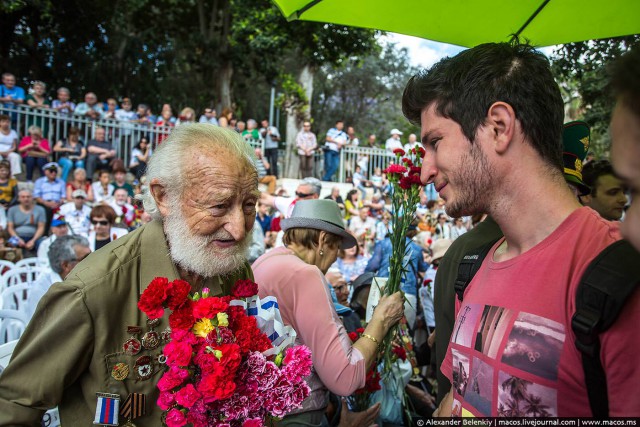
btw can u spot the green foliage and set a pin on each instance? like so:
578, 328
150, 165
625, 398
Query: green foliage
293, 99
582, 72
365, 92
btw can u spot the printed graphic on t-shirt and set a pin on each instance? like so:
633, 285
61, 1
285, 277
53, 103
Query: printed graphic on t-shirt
505, 362
521, 398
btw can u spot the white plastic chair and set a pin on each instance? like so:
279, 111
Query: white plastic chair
4, 264
6, 350
19, 275
12, 325
28, 262
16, 297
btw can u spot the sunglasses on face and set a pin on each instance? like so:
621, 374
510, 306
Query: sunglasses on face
302, 195
104, 223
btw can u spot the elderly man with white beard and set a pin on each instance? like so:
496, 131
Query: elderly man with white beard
87, 337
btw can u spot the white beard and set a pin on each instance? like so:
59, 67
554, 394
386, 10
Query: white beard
194, 253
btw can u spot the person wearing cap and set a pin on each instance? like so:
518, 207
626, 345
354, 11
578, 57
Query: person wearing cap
294, 274
34, 150
50, 191
335, 139
77, 212
58, 229
394, 141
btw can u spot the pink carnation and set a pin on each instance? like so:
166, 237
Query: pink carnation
395, 169
178, 353
175, 418
172, 378
187, 396
166, 400
254, 422
297, 362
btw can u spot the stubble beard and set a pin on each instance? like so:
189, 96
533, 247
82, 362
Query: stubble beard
473, 183
195, 253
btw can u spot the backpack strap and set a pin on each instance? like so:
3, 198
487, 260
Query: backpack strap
469, 266
606, 285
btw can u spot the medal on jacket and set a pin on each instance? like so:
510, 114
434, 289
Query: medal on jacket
120, 371
107, 409
151, 339
133, 407
143, 367
132, 346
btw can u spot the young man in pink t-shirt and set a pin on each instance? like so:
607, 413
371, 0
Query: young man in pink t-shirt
491, 122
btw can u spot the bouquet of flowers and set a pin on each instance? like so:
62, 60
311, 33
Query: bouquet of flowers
360, 400
222, 369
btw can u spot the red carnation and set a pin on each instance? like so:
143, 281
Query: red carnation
420, 152
407, 162
415, 170
400, 352
152, 299
399, 152
178, 353
177, 293
353, 336
187, 396
406, 182
395, 169
209, 307
182, 317
244, 289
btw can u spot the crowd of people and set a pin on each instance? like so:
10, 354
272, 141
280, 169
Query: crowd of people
493, 271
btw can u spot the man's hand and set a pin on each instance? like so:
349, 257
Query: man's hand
358, 419
432, 339
267, 199
444, 410
30, 244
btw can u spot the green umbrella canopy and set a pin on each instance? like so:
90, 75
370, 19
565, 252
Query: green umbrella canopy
472, 22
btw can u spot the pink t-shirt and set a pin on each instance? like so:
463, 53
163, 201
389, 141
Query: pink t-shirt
305, 304
512, 350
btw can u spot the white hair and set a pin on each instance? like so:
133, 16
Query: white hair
170, 160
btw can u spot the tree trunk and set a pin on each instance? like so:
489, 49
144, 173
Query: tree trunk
294, 121
224, 84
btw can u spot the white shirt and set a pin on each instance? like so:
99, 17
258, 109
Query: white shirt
392, 144
78, 221
6, 141
98, 192
359, 227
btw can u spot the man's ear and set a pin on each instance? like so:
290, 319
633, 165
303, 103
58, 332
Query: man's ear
501, 121
159, 194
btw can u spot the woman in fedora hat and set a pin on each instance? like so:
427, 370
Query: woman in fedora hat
294, 274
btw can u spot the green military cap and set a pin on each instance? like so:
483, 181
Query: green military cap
576, 137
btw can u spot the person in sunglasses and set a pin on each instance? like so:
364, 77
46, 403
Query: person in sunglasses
103, 217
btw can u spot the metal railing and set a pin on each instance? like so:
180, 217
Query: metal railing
125, 135
55, 127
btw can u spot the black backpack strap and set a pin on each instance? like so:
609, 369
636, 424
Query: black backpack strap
606, 285
469, 266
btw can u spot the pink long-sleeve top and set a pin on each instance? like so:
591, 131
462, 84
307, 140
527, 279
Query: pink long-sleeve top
305, 304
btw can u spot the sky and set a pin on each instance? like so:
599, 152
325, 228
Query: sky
424, 53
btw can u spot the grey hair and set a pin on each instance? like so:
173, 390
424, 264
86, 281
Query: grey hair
63, 89
314, 183
63, 249
168, 162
